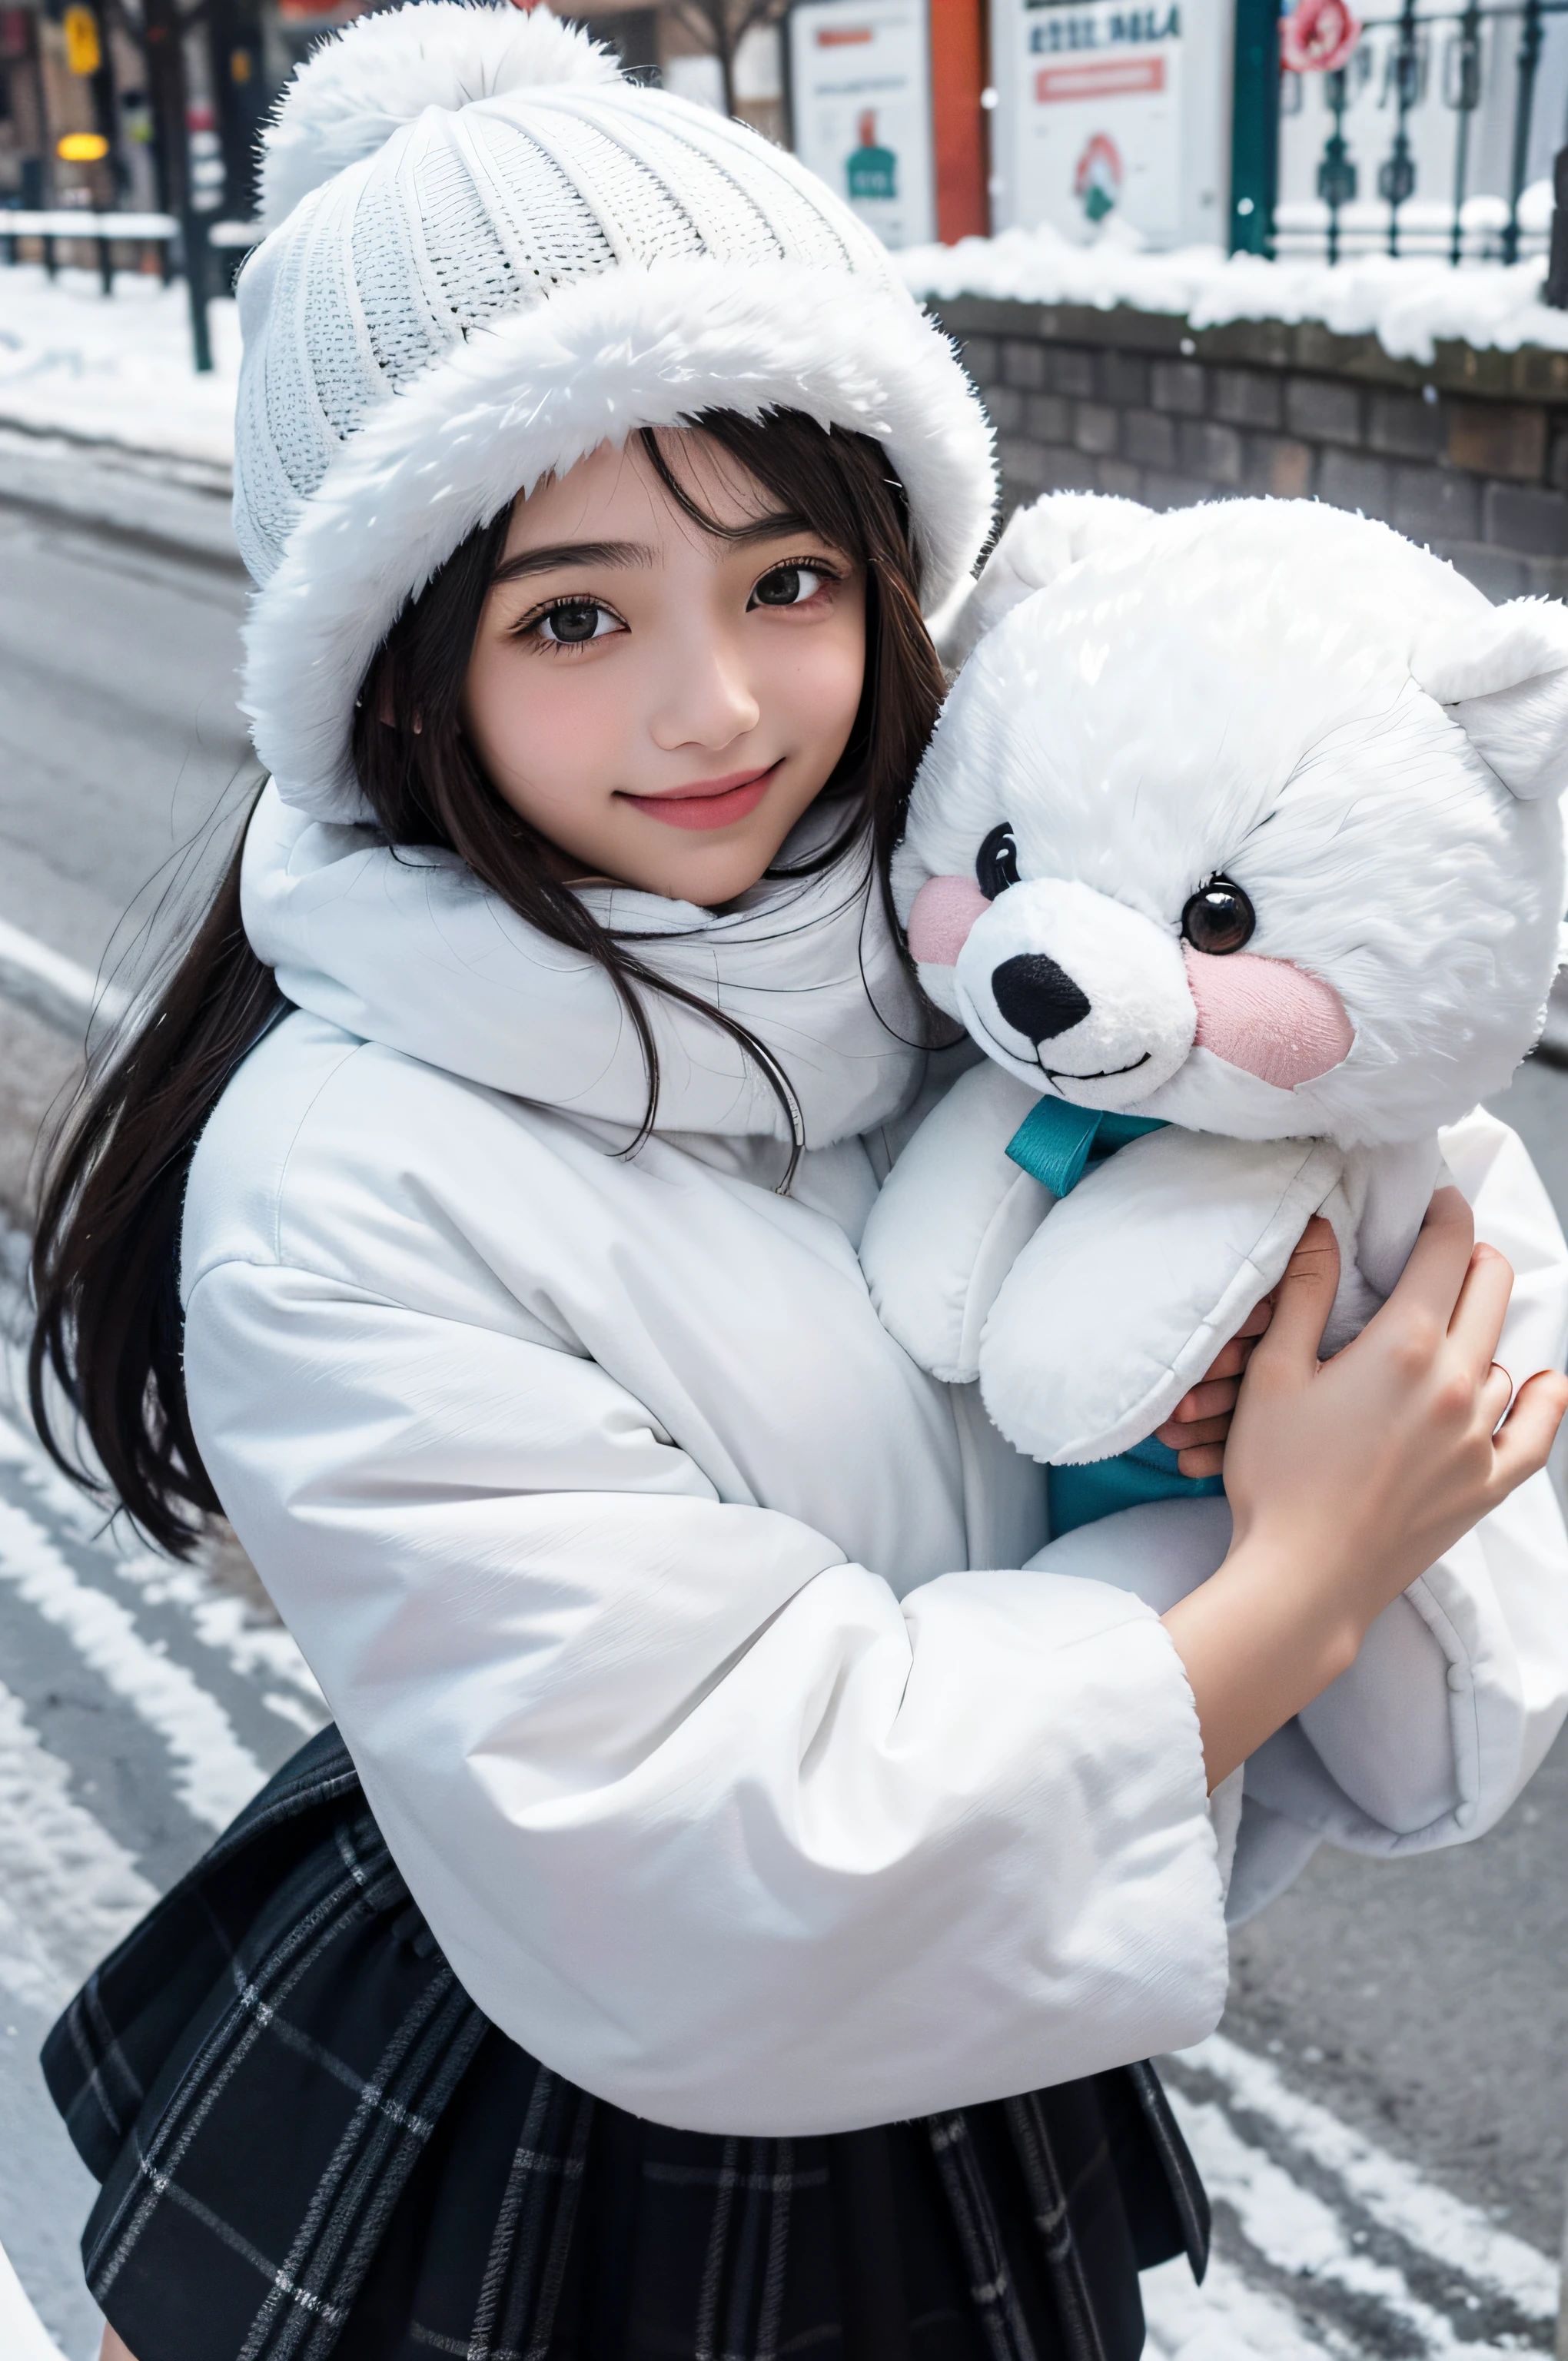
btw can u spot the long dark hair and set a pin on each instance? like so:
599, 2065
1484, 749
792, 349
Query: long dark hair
109, 1331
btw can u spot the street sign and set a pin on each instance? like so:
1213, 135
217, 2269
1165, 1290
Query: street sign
861, 98
1108, 111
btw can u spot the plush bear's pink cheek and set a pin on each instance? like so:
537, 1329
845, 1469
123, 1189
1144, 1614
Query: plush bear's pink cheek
1268, 1017
944, 911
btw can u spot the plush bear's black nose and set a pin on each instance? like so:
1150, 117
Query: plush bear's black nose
1037, 997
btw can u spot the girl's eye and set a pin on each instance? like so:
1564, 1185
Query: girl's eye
573, 623
1217, 918
996, 862
790, 586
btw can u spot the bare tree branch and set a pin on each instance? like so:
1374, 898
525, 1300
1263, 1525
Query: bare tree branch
724, 24
131, 26
758, 11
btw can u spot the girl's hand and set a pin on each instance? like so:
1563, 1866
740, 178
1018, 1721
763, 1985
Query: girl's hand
1197, 1427
1348, 1478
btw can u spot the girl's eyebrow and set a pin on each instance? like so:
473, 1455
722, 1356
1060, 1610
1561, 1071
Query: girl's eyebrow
785, 521
560, 554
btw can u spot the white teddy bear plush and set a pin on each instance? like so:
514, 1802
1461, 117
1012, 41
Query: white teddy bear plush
1238, 833
1237, 852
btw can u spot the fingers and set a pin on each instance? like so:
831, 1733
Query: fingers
1435, 1273
1494, 1395
1302, 1302
1231, 1358
1212, 1398
1186, 1434
1483, 1304
1208, 1461
1524, 1441
1197, 1427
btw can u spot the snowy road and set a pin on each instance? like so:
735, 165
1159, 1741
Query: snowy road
140, 1705
118, 731
1383, 2119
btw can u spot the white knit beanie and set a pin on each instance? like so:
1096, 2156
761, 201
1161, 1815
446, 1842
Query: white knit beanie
491, 254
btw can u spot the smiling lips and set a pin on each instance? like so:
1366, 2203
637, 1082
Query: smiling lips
709, 803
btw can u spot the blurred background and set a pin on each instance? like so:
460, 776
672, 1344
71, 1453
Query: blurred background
1188, 249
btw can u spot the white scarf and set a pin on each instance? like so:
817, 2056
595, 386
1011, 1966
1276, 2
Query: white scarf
408, 948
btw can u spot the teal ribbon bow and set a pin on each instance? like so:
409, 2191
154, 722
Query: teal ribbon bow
1056, 1140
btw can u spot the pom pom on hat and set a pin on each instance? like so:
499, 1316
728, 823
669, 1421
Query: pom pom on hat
383, 71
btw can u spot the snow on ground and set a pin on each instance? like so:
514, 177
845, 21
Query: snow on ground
116, 368
69, 1893
24, 2335
215, 1776
1409, 303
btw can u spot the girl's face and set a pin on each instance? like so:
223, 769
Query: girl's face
660, 703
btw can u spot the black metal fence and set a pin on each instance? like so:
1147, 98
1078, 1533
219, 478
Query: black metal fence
1435, 138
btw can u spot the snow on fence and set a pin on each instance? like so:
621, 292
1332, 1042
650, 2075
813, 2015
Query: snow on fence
178, 242
1453, 429
1410, 304
103, 233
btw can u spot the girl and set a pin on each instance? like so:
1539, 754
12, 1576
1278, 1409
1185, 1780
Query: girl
723, 1922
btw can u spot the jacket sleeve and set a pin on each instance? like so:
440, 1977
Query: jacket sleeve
703, 1817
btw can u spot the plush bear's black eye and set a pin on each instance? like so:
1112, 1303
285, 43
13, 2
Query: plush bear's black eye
1217, 918
996, 862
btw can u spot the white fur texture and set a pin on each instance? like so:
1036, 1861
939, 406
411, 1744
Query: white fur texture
1036, 545
540, 389
349, 96
1239, 688
1504, 680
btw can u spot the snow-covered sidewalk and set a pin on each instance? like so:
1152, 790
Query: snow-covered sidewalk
116, 368
1409, 303
23, 2337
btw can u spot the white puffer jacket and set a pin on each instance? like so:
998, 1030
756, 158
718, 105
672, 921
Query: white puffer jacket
673, 1615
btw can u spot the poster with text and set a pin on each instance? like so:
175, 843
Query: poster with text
1088, 117
861, 98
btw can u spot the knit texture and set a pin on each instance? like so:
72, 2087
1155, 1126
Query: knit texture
479, 211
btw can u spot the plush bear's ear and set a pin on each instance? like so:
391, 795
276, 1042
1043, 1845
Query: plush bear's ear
1503, 675
1040, 542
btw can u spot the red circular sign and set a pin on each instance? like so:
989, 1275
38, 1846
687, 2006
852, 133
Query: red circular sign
1317, 35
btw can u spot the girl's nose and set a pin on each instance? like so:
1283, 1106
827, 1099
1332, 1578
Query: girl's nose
705, 700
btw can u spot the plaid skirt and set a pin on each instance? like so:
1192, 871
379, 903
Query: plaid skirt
312, 2143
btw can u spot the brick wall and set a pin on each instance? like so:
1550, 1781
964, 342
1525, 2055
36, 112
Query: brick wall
1469, 455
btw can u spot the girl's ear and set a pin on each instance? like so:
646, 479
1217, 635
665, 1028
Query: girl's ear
1038, 543
1502, 673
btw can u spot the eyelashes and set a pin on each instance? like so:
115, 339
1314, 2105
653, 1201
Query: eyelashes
573, 623
573, 619
780, 587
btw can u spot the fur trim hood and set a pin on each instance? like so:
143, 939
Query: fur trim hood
537, 392
474, 291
